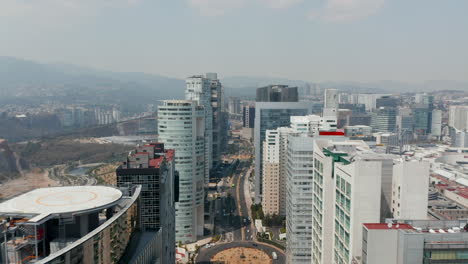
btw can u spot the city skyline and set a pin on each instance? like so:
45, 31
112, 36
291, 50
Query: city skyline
332, 40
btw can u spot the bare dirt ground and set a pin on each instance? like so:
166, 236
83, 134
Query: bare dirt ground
31, 180
242, 255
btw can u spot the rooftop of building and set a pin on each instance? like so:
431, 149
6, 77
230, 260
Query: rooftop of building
40, 203
421, 226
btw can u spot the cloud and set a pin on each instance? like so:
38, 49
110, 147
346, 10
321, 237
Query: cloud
339, 11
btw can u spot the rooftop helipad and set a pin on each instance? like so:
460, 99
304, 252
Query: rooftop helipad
60, 200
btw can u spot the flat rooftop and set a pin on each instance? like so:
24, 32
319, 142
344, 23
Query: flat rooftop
41, 203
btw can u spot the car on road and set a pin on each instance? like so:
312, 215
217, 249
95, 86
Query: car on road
255, 244
274, 255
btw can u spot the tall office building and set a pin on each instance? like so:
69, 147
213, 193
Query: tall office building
330, 104
152, 167
219, 117
198, 89
422, 113
299, 198
274, 171
181, 126
277, 93
384, 120
436, 126
248, 116
352, 186
275, 158
387, 101
458, 117
271, 115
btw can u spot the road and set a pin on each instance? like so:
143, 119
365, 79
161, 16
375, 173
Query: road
232, 215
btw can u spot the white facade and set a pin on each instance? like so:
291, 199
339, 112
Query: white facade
299, 199
330, 105
436, 125
313, 124
181, 126
410, 189
198, 88
458, 117
352, 186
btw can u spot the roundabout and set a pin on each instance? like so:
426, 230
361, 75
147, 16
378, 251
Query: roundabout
241, 252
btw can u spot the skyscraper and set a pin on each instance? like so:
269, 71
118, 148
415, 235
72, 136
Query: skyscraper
152, 167
352, 186
181, 126
219, 117
277, 93
384, 120
330, 103
198, 89
271, 115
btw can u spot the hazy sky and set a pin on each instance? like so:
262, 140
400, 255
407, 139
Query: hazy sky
315, 40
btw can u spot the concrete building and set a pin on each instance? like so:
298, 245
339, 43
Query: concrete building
436, 126
74, 224
414, 242
271, 173
458, 117
274, 173
352, 131
181, 126
331, 103
459, 138
152, 167
271, 115
313, 124
410, 189
299, 198
198, 89
352, 186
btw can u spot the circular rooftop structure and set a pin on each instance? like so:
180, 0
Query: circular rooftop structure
61, 200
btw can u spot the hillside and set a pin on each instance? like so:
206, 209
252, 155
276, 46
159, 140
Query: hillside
23, 81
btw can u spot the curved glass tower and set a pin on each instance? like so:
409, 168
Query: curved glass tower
181, 126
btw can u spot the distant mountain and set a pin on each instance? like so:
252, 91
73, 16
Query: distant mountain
36, 82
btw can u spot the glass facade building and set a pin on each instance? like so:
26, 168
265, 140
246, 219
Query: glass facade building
181, 126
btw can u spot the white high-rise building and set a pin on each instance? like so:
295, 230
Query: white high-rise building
181, 126
410, 189
271, 115
299, 198
198, 88
274, 171
352, 186
436, 125
330, 104
275, 158
458, 117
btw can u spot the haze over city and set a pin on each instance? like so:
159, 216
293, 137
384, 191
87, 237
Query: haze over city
233, 131
319, 40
